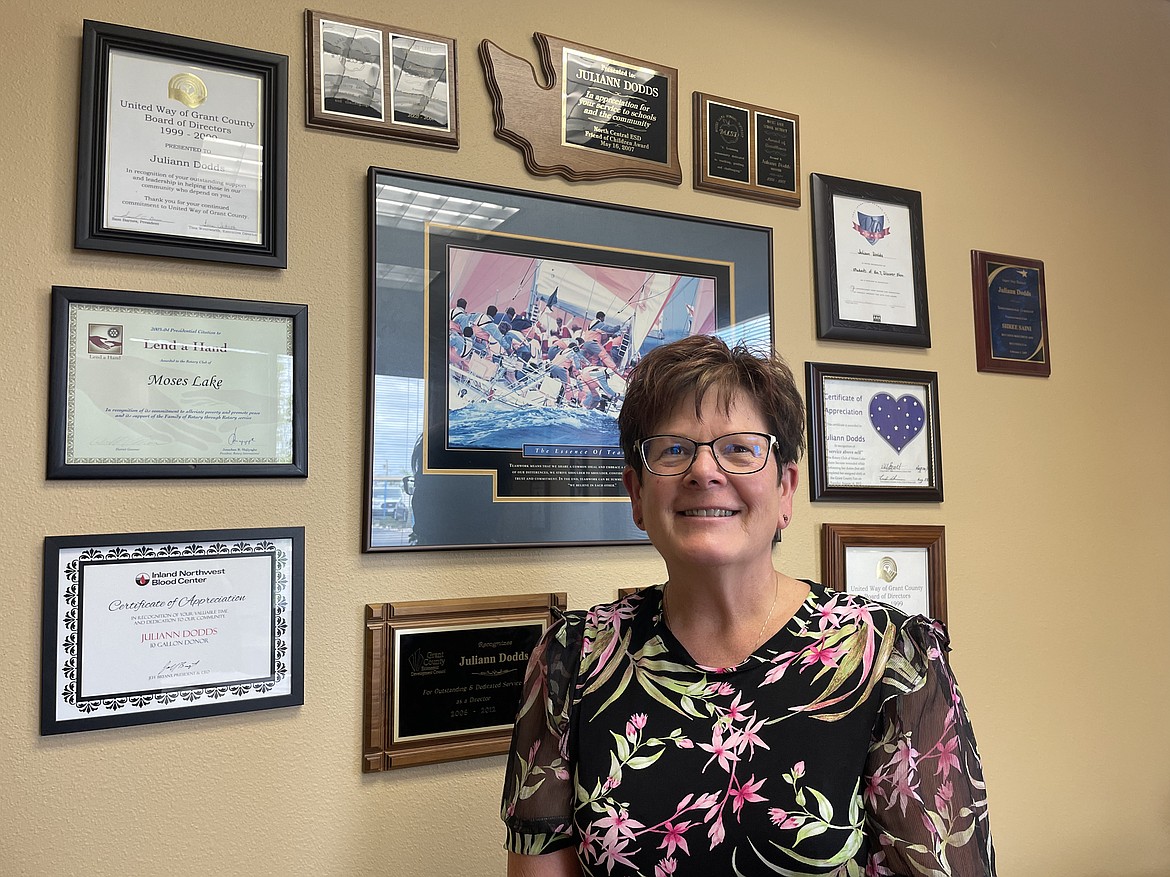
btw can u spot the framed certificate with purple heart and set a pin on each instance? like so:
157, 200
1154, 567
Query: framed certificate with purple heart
873, 434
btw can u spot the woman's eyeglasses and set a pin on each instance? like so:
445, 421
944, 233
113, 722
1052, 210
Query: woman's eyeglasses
737, 453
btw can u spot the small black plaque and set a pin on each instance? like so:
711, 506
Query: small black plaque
452, 680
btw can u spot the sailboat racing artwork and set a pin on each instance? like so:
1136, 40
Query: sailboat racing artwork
506, 325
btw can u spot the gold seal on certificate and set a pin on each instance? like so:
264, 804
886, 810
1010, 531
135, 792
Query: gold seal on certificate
901, 565
148, 385
182, 149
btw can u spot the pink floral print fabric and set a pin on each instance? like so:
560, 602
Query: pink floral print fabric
840, 747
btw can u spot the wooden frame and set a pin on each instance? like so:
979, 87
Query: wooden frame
178, 175
882, 542
472, 652
1011, 315
869, 262
746, 150
399, 96
860, 421
568, 126
151, 385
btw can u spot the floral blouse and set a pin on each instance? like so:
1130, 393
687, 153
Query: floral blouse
840, 747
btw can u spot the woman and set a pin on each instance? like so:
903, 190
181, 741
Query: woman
736, 721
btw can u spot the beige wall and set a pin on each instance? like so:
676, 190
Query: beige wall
1038, 129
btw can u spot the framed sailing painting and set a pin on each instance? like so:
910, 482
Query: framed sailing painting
504, 325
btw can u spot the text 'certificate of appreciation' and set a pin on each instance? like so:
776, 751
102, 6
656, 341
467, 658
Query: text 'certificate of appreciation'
162, 385
877, 434
149, 627
875, 267
184, 149
169, 623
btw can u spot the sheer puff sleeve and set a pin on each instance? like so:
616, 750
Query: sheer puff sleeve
925, 800
537, 806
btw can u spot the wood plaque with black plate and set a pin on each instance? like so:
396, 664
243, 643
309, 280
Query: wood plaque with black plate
443, 677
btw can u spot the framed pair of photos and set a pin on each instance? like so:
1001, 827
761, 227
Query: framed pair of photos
370, 78
869, 262
182, 148
442, 678
902, 565
874, 434
147, 385
154, 627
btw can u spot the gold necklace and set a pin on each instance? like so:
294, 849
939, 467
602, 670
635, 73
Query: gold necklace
763, 627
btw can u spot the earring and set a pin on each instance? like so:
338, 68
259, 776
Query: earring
786, 519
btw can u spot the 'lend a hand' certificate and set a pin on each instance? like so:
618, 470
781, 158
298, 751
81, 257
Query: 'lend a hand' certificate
140, 625
184, 149
162, 385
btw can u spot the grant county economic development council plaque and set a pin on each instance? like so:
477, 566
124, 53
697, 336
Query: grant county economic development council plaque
443, 677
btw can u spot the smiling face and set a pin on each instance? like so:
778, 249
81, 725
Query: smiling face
707, 518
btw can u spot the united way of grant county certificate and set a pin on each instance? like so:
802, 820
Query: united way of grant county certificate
161, 385
184, 150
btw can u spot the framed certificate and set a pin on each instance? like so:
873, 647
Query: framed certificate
503, 327
182, 148
869, 262
153, 627
372, 78
873, 434
443, 677
601, 115
904, 566
1011, 317
746, 150
146, 385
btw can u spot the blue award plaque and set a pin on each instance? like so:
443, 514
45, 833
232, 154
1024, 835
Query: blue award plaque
1011, 318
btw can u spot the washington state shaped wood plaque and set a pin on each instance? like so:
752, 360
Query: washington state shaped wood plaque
600, 115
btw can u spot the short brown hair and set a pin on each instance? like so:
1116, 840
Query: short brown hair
699, 364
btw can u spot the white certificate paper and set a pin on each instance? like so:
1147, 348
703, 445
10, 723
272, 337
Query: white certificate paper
877, 434
899, 577
184, 150
161, 385
155, 624
875, 262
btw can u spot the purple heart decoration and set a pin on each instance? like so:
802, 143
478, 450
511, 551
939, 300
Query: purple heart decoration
897, 421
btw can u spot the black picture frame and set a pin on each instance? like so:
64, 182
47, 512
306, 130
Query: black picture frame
886, 303
427, 484
98, 671
93, 231
148, 394
858, 432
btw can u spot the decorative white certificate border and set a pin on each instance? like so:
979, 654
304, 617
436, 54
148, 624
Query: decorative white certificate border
64, 708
